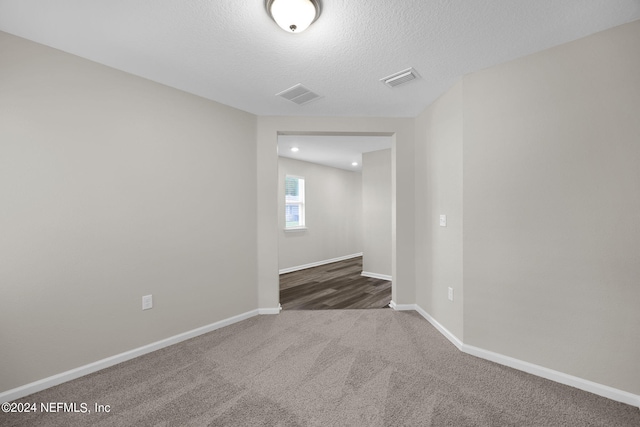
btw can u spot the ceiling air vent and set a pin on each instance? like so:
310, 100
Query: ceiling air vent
400, 77
299, 94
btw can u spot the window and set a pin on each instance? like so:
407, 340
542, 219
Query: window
294, 202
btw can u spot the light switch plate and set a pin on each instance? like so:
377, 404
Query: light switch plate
443, 220
147, 302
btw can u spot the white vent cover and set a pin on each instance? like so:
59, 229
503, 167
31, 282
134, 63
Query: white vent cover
298, 94
401, 77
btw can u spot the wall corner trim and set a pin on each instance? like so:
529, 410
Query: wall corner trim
276, 310
537, 370
36, 386
376, 275
402, 307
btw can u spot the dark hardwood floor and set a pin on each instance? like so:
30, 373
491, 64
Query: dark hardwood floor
333, 286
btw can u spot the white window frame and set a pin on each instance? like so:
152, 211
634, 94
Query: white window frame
301, 204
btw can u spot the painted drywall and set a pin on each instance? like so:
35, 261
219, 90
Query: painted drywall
113, 187
439, 192
376, 208
333, 214
403, 288
552, 206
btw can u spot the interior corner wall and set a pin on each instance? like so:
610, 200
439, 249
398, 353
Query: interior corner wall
114, 187
552, 207
376, 209
333, 214
438, 191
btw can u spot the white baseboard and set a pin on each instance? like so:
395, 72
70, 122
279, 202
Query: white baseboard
550, 374
540, 371
72, 374
318, 263
559, 377
276, 310
402, 307
376, 275
444, 331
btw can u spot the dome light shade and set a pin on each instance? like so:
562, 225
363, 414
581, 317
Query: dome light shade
293, 16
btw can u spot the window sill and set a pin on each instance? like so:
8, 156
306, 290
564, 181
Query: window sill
290, 229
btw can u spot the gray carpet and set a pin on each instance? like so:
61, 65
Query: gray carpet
322, 368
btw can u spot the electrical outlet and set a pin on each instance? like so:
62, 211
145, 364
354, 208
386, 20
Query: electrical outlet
443, 220
450, 294
147, 302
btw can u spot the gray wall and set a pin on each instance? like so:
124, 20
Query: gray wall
552, 208
113, 187
333, 201
551, 198
439, 192
376, 208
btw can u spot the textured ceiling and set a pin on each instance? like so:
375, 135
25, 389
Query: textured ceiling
232, 52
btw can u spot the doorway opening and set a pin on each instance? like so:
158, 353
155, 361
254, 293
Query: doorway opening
335, 231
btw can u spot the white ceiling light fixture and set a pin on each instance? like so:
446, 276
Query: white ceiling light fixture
354, 164
293, 16
295, 149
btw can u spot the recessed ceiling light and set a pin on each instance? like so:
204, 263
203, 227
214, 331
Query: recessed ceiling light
295, 149
354, 164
